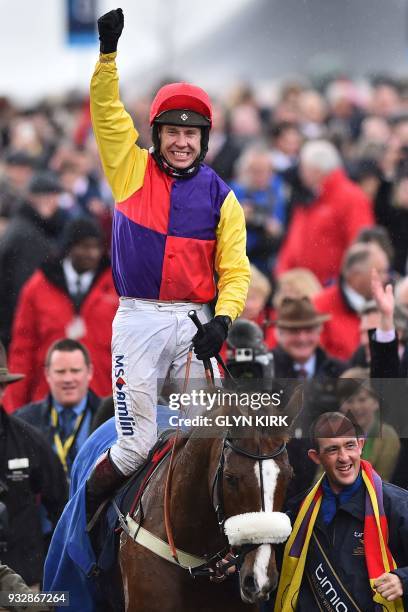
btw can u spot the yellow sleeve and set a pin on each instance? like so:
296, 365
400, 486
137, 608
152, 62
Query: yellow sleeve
231, 262
124, 163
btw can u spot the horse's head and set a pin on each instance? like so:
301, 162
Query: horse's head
248, 479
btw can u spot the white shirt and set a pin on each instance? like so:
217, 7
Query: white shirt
76, 281
384, 336
356, 300
309, 366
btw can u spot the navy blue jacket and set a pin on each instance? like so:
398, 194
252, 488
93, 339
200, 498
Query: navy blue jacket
38, 415
342, 542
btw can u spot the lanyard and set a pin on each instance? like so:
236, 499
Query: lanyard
64, 448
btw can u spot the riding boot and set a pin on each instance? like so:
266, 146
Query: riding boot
103, 480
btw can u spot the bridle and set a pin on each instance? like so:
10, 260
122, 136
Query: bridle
235, 549
215, 566
217, 485
217, 496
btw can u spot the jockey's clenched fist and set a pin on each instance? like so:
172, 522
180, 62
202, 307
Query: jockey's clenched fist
110, 28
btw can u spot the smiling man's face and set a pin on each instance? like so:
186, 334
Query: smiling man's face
340, 459
180, 146
68, 377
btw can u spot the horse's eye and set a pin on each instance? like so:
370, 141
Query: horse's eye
231, 480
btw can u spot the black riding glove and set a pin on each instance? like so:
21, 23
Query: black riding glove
110, 28
209, 343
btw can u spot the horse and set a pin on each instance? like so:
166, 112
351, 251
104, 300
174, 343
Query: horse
226, 492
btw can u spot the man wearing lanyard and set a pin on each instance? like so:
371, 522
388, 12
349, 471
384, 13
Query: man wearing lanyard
65, 415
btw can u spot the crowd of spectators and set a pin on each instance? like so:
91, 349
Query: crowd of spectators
345, 142
322, 176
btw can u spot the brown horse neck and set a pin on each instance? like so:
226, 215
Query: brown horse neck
193, 519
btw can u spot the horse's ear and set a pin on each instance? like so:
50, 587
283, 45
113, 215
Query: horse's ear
292, 406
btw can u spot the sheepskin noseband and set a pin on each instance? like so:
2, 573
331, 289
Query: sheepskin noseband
257, 528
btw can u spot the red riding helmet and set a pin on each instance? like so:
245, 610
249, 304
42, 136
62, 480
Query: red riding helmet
181, 104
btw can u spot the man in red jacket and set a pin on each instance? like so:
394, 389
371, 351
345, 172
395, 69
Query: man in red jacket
320, 231
348, 297
73, 298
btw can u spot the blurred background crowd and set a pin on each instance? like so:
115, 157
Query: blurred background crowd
350, 150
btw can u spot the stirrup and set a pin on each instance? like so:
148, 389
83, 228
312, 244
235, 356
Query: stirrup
96, 515
102, 482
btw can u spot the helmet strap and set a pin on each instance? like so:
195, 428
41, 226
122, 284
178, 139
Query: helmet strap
176, 173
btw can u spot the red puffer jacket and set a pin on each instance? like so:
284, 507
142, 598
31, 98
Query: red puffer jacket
44, 314
319, 233
341, 334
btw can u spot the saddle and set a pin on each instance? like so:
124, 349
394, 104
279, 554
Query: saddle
130, 494
104, 532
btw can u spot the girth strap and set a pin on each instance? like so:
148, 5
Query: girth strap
160, 547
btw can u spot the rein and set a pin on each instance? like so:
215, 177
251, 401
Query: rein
167, 489
215, 567
191, 563
209, 375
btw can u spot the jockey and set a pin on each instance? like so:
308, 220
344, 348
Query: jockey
176, 224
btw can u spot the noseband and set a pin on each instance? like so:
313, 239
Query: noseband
217, 486
239, 553
216, 567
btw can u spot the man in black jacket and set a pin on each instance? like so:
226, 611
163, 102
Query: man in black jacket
298, 354
31, 237
387, 374
336, 564
30, 474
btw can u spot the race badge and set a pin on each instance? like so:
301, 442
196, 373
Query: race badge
358, 549
17, 469
18, 464
75, 329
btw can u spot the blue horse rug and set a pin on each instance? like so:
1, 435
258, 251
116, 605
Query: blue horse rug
71, 561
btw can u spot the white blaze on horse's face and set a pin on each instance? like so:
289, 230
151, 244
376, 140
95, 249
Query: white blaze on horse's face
270, 472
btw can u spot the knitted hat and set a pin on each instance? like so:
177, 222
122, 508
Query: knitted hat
78, 230
44, 182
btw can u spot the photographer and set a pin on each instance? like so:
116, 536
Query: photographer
253, 366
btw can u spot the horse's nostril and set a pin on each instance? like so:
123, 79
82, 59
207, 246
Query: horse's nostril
250, 584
